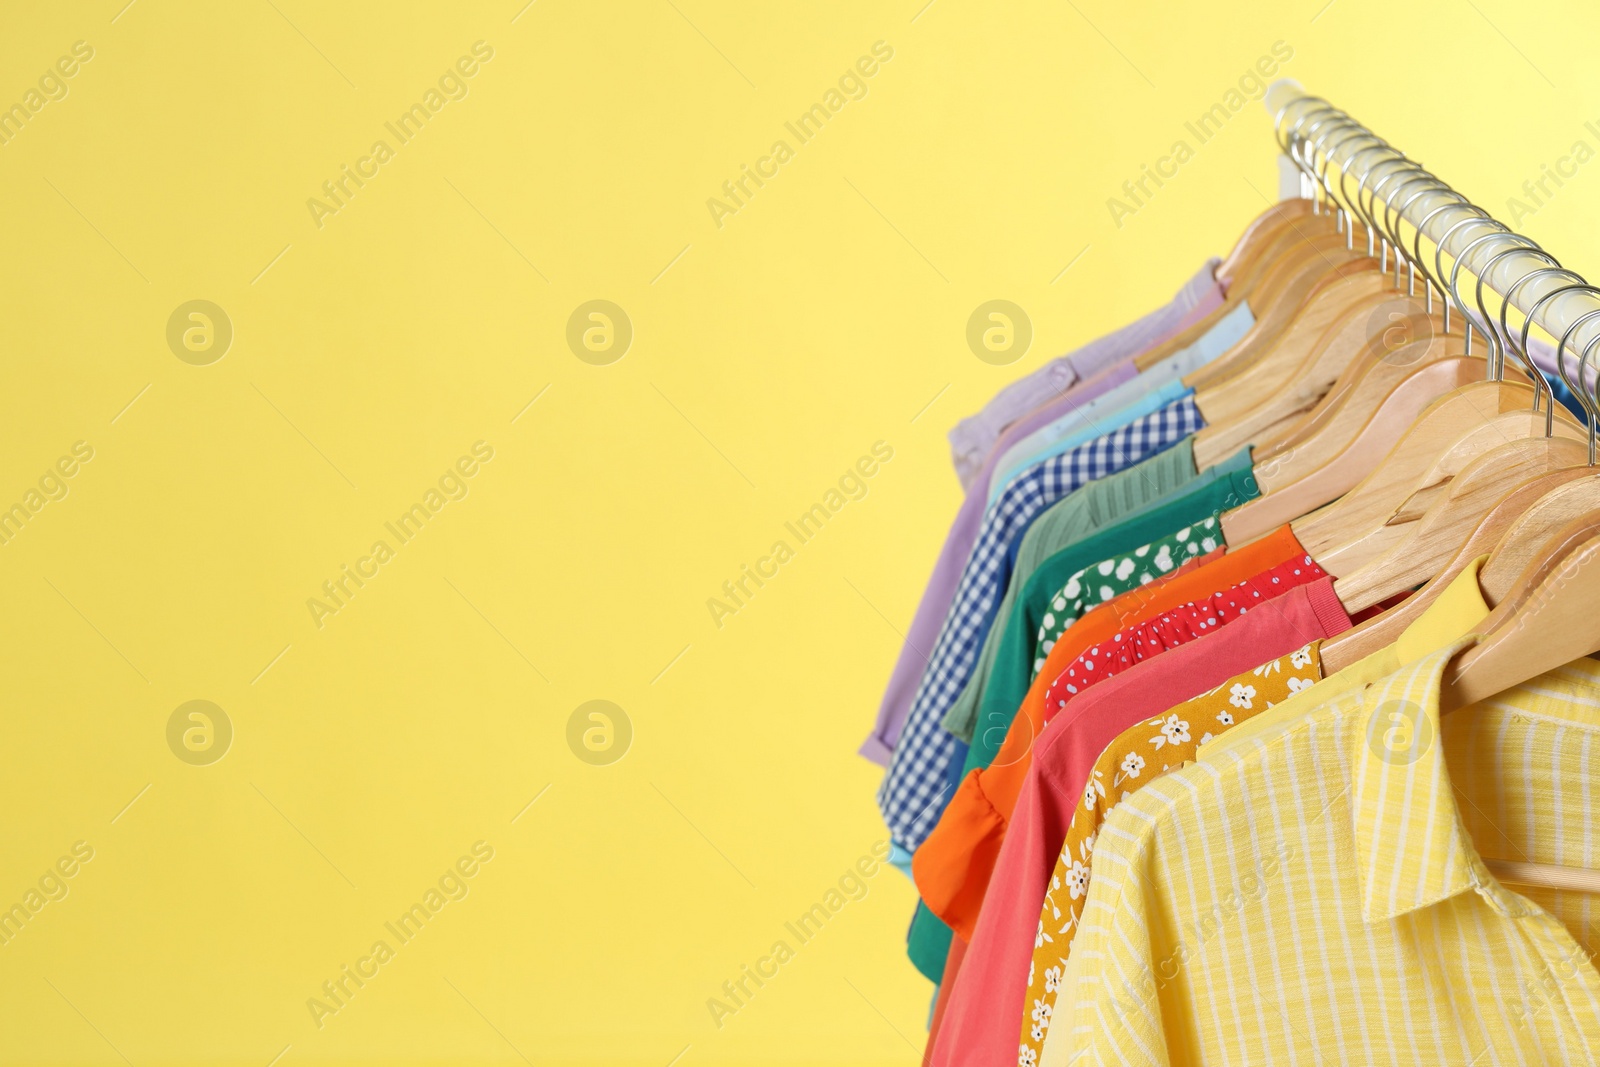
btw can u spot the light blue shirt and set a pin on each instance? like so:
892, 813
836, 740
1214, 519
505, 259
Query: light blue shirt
1133, 399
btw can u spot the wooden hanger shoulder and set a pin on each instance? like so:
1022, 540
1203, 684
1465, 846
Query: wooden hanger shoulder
1425, 544
1294, 264
1520, 447
1341, 413
1548, 620
1376, 633
1294, 374
1259, 233
1376, 497
1535, 528
1399, 410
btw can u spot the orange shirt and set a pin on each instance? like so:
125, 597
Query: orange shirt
952, 867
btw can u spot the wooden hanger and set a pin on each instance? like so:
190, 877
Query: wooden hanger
1453, 430
1383, 630
1304, 275
1345, 408
1257, 282
1279, 286
1398, 412
1547, 621
1262, 229
1536, 527
1516, 438
1425, 544
1385, 389
1258, 372
1344, 352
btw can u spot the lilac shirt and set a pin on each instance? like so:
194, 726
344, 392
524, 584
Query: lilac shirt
1102, 372
974, 437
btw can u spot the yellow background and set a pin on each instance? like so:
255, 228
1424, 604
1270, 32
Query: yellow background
370, 353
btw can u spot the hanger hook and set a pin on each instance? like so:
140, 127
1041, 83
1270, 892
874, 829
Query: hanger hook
1353, 203
1394, 214
1591, 397
1527, 356
1501, 336
1367, 200
1459, 259
1431, 283
1561, 368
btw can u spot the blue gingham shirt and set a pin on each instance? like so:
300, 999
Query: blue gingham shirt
916, 788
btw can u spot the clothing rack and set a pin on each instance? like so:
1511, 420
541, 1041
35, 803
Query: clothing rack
1372, 175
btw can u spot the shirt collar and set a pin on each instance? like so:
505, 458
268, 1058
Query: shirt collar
1411, 848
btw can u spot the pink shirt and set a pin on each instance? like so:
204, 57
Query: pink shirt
979, 1028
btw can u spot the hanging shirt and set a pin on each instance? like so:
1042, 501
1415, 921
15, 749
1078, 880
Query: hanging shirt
928, 939
952, 869
911, 797
973, 438
981, 1020
1109, 500
938, 597
1002, 678
1320, 895
1138, 755
974, 824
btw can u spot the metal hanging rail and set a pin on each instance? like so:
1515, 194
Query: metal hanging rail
1366, 177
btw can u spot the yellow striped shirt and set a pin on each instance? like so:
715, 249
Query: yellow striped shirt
1318, 896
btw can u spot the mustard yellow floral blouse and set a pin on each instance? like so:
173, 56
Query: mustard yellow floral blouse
1139, 754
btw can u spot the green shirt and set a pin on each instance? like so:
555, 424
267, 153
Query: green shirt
1224, 486
1070, 520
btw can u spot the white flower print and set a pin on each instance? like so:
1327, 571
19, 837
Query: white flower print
1077, 880
1302, 658
1225, 717
1297, 684
1093, 790
1041, 1012
1267, 669
1030, 973
1052, 978
1205, 738
1242, 696
1132, 764
1026, 1059
1173, 731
